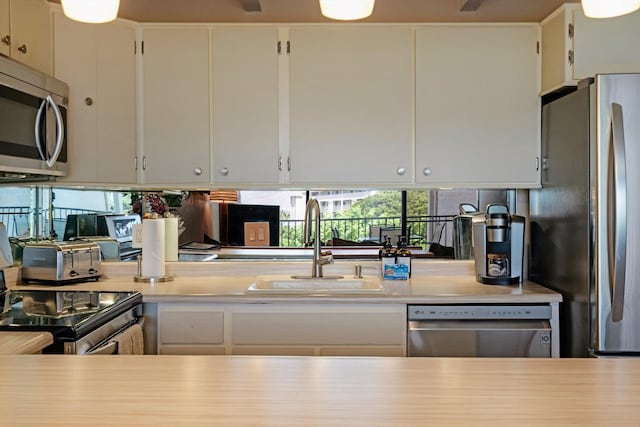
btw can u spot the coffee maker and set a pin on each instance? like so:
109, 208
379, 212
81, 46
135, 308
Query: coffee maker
498, 246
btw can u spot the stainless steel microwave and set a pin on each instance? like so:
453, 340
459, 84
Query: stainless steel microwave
33, 116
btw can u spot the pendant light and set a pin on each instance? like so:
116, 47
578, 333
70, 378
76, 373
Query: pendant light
91, 11
609, 8
347, 10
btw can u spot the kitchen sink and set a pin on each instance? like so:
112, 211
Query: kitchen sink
317, 285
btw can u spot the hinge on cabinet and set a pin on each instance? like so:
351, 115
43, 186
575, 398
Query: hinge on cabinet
570, 57
570, 31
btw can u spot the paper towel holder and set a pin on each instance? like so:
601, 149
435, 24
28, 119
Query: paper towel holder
151, 279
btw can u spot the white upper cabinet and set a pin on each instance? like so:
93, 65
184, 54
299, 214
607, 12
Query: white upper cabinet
575, 47
98, 64
351, 105
25, 32
175, 150
245, 105
477, 106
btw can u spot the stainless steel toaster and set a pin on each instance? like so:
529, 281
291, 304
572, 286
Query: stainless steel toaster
57, 262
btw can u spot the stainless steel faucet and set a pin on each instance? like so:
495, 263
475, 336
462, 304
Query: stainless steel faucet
319, 258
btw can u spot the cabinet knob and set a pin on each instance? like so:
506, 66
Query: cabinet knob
197, 171
23, 48
426, 171
224, 171
6, 40
401, 171
88, 100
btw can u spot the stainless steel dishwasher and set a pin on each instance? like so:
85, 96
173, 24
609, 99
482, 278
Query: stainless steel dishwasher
479, 331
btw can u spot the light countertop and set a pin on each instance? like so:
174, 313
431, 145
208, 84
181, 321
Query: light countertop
246, 390
24, 342
432, 282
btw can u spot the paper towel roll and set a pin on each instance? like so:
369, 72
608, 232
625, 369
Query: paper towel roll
171, 239
152, 248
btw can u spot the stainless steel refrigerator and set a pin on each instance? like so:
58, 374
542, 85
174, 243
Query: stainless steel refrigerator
585, 227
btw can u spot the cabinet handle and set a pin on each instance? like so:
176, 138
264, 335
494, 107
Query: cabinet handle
88, 100
144, 163
23, 48
6, 40
427, 171
401, 171
135, 163
280, 163
224, 171
197, 171
289, 164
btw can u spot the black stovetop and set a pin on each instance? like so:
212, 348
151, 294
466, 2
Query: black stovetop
68, 315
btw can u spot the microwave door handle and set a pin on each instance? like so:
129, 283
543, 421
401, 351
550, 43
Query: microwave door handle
617, 213
38, 129
59, 132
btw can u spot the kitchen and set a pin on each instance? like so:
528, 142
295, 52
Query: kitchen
524, 176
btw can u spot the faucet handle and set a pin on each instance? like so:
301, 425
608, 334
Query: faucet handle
326, 253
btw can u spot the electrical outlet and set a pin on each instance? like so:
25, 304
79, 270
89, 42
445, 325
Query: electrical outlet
136, 236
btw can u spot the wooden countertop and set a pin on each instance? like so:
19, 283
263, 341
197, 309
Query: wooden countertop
24, 342
245, 390
433, 282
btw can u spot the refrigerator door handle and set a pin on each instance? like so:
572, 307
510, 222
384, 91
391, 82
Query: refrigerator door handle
617, 213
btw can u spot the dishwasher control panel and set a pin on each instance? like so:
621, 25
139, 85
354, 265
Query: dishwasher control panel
478, 312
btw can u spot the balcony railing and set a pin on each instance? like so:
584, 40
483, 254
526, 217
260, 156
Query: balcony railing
421, 230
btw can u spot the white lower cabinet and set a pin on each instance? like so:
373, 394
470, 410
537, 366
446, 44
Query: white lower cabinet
282, 329
190, 329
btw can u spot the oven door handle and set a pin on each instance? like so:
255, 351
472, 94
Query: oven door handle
109, 348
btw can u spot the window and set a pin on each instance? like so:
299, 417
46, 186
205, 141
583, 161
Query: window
352, 217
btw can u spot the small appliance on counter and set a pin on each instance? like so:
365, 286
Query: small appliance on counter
462, 231
498, 246
61, 262
112, 232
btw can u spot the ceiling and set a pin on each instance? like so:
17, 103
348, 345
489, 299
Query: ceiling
309, 10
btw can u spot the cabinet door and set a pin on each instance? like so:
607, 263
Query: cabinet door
477, 106
557, 53
351, 105
31, 33
190, 329
176, 146
5, 29
319, 329
605, 45
98, 64
245, 105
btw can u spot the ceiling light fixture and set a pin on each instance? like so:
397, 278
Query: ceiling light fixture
609, 8
347, 10
91, 11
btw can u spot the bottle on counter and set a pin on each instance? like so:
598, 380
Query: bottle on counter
403, 254
388, 258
